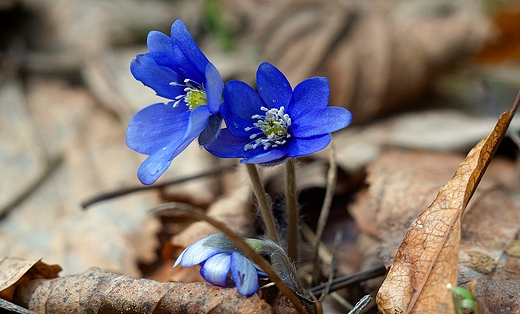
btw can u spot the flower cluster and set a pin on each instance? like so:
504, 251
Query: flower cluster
263, 127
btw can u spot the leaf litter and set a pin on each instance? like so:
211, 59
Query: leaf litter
372, 97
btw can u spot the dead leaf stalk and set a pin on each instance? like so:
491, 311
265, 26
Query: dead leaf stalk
325, 209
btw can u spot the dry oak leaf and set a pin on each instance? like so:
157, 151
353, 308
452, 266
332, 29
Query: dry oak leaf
100, 291
428, 256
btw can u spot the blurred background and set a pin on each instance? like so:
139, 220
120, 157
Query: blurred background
429, 74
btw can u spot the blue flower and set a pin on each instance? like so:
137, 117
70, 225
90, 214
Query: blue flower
221, 262
175, 69
276, 123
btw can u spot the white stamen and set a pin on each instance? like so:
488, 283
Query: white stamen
274, 126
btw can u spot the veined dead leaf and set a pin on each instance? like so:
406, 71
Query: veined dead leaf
428, 256
99, 291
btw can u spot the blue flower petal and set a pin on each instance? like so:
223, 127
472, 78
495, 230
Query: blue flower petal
263, 158
240, 100
311, 94
216, 269
214, 88
158, 78
305, 146
236, 125
211, 130
166, 53
244, 274
273, 87
196, 253
228, 146
156, 126
182, 38
318, 122
155, 165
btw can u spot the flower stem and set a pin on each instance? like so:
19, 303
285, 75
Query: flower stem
263, 204
291, 201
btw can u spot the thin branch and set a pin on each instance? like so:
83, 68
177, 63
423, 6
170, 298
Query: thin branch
351, 279
125, 191
337, 240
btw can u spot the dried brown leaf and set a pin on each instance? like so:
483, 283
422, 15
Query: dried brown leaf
428, 256
99, 291
489, 225
16, 271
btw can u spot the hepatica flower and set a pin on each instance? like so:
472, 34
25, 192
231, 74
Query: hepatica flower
175, 69
276, 123
222, 264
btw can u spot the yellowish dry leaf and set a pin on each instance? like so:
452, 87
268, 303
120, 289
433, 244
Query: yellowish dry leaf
16, 271
428, 256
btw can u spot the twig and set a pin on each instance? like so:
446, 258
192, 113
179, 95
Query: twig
325, 209
263, 204
291, 203
337, 240
352, 279
323, 252
185, 210
361, 304
125, 191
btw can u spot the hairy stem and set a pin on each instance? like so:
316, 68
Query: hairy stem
263, 204
291, 201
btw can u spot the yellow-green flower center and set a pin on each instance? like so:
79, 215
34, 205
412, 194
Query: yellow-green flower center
195, 94
195, 98
274, 126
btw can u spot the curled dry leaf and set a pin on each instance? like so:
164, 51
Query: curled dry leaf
16, 271
401, 183
428, 256
99, 291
